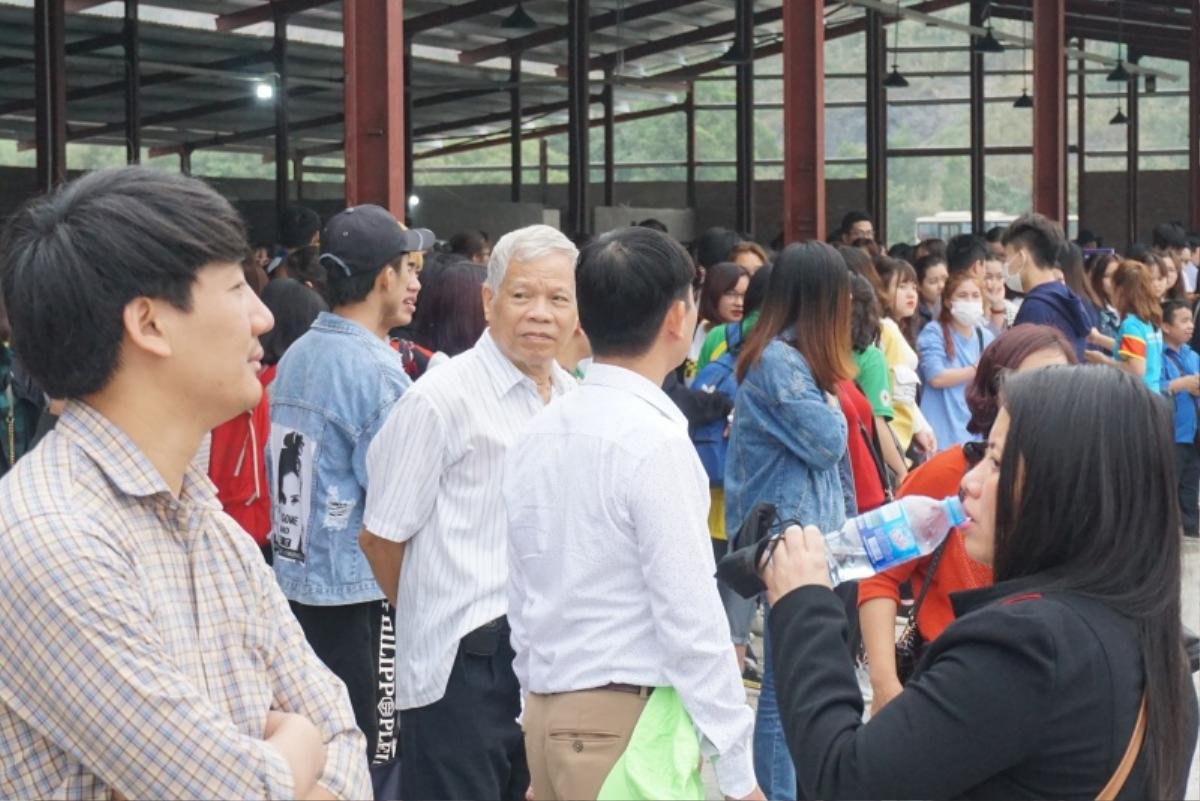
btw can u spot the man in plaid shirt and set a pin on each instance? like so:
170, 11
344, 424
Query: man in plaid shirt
147, 652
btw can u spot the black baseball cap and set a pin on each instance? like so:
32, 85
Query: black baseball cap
363, 238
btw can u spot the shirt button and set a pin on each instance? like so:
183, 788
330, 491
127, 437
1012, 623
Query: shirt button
577, 746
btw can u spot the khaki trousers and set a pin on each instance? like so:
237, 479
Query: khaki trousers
572, 740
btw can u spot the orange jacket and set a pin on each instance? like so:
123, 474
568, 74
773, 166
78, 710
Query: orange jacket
940, 477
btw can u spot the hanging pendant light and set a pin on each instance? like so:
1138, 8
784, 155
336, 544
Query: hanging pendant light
1119, 118
895, 80
1119, 74
1024, 101
734, 55
988, 43
519, 19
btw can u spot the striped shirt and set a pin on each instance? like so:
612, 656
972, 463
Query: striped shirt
145, 638
434, 481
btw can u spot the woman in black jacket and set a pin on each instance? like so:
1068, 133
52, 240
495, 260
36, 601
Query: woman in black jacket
1034, 691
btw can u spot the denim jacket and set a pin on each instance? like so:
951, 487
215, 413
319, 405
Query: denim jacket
787, 445
332, 393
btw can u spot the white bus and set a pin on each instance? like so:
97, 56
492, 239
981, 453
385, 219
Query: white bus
946, 224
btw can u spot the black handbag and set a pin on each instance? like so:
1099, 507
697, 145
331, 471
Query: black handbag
910, 644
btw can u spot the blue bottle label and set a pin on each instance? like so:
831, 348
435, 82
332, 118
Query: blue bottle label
887, 536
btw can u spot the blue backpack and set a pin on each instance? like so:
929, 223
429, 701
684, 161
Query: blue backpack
719, 375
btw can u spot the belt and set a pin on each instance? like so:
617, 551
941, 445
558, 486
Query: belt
633, 689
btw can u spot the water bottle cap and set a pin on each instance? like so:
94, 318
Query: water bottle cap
955, 511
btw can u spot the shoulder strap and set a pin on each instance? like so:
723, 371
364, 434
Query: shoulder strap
733, 337
979, 336
1117, 782
933, 565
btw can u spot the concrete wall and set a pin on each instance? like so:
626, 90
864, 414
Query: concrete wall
446, 209
1162, 197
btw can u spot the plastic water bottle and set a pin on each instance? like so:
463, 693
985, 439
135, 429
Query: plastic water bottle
890, 535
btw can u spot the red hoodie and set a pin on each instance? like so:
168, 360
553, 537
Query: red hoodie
236, 465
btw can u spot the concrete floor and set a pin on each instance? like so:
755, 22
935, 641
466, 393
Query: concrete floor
1191, 618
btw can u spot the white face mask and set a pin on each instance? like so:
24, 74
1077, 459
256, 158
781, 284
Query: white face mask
967, 312
1013, 279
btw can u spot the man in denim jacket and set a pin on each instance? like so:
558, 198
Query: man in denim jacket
334, 389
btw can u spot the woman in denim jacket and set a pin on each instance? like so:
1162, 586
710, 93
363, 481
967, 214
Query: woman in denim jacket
787, 445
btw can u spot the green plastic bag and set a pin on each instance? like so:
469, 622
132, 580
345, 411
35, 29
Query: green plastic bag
662, 759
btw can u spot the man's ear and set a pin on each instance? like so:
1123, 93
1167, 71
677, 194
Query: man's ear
145, 326
675, 323
383, 281
488, 296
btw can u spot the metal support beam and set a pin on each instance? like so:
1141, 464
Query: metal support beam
544, 168
1081, 128
557, 33
744, 131
977, 115
77, 47
50, 75
221, 140
451, 14
298, 172
185, 161
1049, 108
609, 144
374, 59
515, 121
279, 52
803, 120
1194, 120
408, 126
1132, 143
578, 154
133, 84
689, 122
267, 11
876, 94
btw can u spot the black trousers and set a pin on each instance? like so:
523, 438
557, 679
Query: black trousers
468, 745
1187, 464
346, 638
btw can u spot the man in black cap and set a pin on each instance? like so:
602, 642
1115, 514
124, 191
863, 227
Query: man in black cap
333, 390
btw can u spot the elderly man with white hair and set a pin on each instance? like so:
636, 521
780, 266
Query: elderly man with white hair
435, 531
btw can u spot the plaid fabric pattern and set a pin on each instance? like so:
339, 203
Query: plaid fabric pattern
145, 639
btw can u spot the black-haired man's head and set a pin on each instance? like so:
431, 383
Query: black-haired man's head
966, 253
857, 225
636, 291
128, 281
1033, 245
301, 228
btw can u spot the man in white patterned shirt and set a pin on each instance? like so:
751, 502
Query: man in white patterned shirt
620, 639
148, 651
434, 525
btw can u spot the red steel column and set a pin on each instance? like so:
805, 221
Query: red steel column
1049, 109
804, 120
1194, 121
374, 59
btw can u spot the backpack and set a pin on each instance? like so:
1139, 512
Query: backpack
719, 375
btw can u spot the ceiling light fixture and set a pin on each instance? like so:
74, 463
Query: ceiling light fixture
895, 80
1024, 101
519, 19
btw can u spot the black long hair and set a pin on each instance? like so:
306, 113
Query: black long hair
1087, 493
809, 292
449, 316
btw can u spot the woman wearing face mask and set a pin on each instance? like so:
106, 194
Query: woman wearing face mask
932, 274
949, 350
1036, 690
1001, 312
897, 338
1025, 347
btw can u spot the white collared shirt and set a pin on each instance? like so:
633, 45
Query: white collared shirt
610, 565
433, 481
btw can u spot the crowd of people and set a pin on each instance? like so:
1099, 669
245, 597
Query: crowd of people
366, 514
